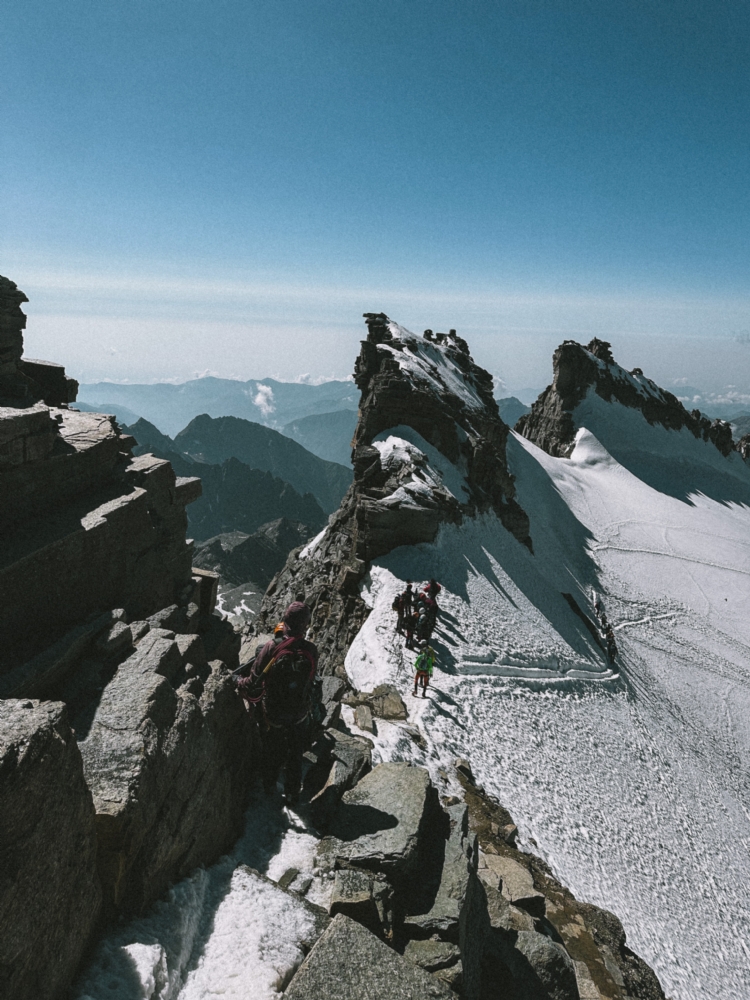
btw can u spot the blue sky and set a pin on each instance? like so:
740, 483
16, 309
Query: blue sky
227, 186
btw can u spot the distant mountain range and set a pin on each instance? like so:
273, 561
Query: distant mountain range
257, 557
328, 435
235, 496
170, 407
214, 440
511, 409
321, 418
122, 413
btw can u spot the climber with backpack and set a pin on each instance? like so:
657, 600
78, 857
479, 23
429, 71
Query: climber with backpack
403, 605
280, 686
427, 612
423, 668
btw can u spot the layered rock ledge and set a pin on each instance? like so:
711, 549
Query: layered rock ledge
102, 612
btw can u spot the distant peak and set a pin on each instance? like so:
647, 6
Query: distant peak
578, 370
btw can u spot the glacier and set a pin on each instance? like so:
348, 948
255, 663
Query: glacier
634, 787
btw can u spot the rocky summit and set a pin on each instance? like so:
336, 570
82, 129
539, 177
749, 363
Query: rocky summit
429, 449
580, 371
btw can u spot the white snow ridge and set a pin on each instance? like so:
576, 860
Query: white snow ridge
632, 783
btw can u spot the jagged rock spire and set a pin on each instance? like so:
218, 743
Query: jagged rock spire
551, 423
429, 448
24, 381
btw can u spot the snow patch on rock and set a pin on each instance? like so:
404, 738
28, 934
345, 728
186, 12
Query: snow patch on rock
403, 445
428, 362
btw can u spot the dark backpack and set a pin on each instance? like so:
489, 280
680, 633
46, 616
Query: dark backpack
287, 683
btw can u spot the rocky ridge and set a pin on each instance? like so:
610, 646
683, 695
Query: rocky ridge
136, 767
578, 370
427, 894
429, 449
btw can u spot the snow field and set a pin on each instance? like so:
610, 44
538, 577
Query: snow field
219, 933
399, 445
635, 787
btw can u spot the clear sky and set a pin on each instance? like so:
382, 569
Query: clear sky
226, 186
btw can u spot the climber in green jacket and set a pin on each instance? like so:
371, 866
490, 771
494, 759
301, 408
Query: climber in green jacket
423, 668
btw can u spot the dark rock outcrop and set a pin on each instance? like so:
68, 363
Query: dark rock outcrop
430, 390
743, 447
552, 426
25, 381
238, 557
49, 889
167, 755
350, 963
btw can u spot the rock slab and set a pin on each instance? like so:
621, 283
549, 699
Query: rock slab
457, 912
49, 889
382, 823
350, 963
168, 761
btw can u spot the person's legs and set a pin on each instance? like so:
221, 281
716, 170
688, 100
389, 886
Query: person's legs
409, 626
274, 753
296, 742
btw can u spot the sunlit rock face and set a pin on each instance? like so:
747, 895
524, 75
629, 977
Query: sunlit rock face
429, 449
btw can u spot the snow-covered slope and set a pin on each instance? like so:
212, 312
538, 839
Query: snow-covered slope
635, 788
